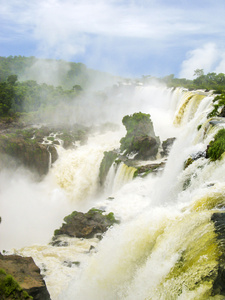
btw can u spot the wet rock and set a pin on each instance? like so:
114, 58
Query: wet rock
143, 171
32, 146
71, 264
166, 145
31, 154
26, 274
54, 153
145, 146
219, 223
140, 137
107, 161
86, 225
194, 157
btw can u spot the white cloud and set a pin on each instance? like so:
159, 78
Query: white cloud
207, 58
69, 26
93, 29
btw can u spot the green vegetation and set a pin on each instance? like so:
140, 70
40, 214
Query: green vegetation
140, 138
32, 87
219, 106
69, 75
70, 217
27, 96
28, 84
216, 147
210, 81
137, 125
10, 289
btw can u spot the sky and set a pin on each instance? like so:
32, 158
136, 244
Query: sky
129, 38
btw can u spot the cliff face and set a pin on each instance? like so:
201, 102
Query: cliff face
35, 148
24, 280
31, 154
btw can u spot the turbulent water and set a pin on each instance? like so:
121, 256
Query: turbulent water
165, 246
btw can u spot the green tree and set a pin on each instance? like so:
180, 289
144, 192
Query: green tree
198, 72
12, 79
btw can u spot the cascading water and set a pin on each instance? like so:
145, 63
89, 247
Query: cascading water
166, 245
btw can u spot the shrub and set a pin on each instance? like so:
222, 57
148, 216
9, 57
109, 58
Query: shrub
216, 147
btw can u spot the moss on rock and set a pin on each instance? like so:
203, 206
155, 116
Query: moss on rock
10, 288
140, 137
86, 225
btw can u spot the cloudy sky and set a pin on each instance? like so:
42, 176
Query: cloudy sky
126, 37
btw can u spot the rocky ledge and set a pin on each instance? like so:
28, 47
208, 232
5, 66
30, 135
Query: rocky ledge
85, 225
20, 278
35, 148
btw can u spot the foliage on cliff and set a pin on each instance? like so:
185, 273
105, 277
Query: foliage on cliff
216, 147
10, 289
140, 137
138, 124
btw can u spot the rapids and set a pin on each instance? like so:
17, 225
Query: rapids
165, 246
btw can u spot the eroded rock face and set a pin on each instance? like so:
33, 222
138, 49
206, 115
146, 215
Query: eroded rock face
145, 146
86, 225
219, 223
35, 148
26, 274
143, 171
166, 145
32, 155
140, 137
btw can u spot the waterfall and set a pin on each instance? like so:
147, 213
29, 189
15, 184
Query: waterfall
118, 176
166, 246
169, 250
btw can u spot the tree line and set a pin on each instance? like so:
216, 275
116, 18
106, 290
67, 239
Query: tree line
210, 81
20, 93
27, 96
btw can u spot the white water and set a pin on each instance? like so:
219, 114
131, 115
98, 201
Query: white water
135, 259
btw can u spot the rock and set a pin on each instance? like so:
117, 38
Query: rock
10, 289
106, 163
86, 225
194, 157
219, 223
30, 153
26, 274
143, 171
54, 153
146, 147
140, 137
166, 145
28, 147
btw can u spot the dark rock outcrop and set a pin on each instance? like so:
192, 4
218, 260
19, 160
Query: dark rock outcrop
140, 137
31, 154
219, 223
143, 171
106, 163
166, 145
34, 147
86, 225
26, 274
194, 157
145, 146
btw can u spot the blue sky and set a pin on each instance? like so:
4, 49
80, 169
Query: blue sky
125, 37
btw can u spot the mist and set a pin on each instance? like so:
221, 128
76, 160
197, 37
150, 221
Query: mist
29, 214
